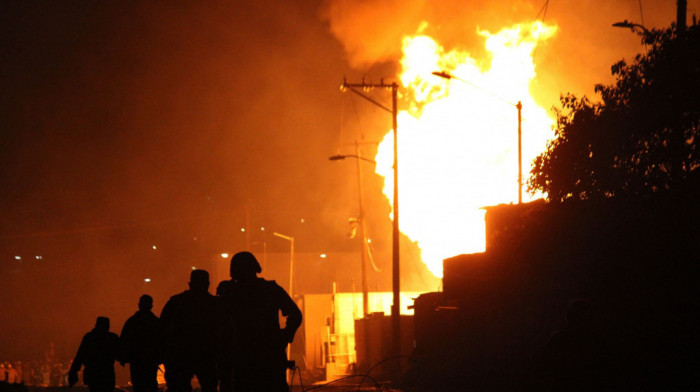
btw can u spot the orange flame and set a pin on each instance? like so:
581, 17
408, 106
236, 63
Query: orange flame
458, 140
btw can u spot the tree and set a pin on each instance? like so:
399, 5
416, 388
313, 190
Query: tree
641, 138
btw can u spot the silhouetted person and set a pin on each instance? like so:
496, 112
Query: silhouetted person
191, 336
572, 356
141, 345
253, 304
98, 350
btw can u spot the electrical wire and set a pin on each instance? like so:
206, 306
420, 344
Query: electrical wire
370, 254
291, 380
364, 376
543, 11
301, 381
319, 386
544, 14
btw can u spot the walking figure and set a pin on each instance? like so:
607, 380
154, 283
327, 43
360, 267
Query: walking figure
97, 352
190, 325
141, 346
253, 305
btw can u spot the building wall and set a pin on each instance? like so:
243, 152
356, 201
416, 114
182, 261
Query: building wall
329, 317
633, 260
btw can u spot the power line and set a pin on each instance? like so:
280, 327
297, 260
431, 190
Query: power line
543, 11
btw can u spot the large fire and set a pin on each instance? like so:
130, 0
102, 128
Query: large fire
458, 140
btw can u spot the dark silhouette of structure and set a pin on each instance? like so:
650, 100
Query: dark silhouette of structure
253, 305
190, 325
634, 260
141, 346
97, 352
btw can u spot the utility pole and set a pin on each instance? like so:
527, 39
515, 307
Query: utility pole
681, 9
363, 233
519, 106
520, 152
360, 221
396, 283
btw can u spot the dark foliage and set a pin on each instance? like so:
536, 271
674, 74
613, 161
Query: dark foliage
641, 138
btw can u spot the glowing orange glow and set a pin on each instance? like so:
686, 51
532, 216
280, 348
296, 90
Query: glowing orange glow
458, 140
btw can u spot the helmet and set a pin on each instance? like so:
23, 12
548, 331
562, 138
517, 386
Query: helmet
244, 263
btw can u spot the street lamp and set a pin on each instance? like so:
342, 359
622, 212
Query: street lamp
340, 157
519, 106
361, 221
632, 26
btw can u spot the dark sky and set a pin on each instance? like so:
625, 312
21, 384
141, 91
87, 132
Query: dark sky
126, 124
115, 114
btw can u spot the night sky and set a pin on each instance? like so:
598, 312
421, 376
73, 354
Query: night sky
116, 115
123, 125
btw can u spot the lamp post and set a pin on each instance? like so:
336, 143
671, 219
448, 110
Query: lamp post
681, 15
395, 272
519, 106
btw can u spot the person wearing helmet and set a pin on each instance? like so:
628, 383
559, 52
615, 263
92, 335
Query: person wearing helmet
253, 304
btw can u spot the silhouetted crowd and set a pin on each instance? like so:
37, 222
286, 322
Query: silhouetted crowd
232, 341
15, 376
44, 373
10, 373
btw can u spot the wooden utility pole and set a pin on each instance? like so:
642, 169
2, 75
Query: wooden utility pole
681, 9
520, 152
396, 282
